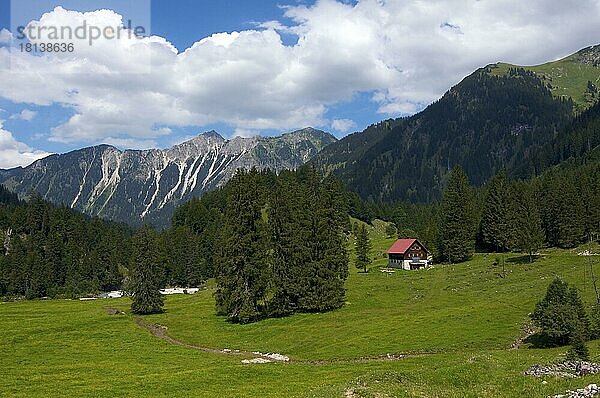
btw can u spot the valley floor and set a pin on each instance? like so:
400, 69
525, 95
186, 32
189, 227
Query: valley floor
453, 325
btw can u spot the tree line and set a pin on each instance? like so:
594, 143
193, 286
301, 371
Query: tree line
560, 208
53, 251
57, 252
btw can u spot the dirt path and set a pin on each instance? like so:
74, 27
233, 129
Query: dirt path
161, 332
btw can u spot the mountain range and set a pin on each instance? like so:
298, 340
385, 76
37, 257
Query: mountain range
520, 119
144, 186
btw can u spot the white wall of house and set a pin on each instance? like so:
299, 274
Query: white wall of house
405, 264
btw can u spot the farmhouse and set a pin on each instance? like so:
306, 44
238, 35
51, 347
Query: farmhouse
408, 254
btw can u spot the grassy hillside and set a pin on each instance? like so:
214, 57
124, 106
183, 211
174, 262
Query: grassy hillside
455, 324
567, 77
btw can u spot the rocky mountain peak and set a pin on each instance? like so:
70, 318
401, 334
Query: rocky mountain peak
140, 186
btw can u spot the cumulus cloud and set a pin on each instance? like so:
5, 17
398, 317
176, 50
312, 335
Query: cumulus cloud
245, 133
404, 53
25, 114
343, 125
5, 36
14, 153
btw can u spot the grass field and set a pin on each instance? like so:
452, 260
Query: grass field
454, 323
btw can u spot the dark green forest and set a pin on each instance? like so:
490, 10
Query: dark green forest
276, 242
560, 208
57, 252
485, 124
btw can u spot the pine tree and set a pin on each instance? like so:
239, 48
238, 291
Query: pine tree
327, 266
145, 273
496, 226
457, 221
363, 249
528, 232
243, 276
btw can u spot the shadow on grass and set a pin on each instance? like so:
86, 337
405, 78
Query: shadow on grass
541, 340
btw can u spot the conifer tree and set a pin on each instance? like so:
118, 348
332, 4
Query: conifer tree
243, 267
563, 212
183, 257
289, 224
327, 264
457, 221
363, 249
496, 224
528, 232
579, 350
391, 231
561, 314
145, 273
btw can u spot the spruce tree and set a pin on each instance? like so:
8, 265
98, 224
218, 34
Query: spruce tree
561, 314
327, 264
579, 350
528, 233
563, 211
363, 249
145, 273
391, 231
457, 220
243, 267
289, 226
496, 224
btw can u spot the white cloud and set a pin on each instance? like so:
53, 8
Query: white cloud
14, 153
25, 114
406, 53
5, 36
245, 133
343, 125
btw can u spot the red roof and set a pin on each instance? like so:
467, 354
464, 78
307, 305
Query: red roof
401, 246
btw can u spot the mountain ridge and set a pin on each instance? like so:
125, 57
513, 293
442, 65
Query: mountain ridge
491, 120
568, 77
143, 186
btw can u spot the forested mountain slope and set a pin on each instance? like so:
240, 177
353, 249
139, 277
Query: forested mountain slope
575, 76
493, 120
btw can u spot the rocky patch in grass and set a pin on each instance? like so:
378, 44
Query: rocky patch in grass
590, 391
567, 369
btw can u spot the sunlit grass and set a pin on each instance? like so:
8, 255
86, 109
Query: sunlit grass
457, 322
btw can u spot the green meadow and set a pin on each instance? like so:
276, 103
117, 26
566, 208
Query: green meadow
567, 78
454, 326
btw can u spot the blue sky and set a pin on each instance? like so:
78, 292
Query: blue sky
335, 65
